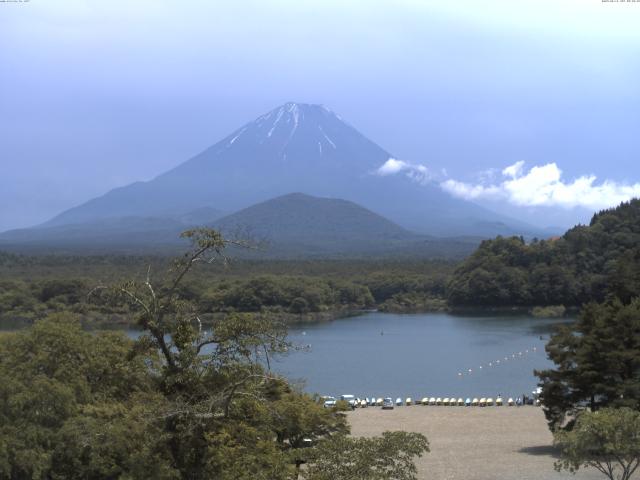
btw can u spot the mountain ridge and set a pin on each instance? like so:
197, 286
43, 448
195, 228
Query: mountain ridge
294, 147
295, 225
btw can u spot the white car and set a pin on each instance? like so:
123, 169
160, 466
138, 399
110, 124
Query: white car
329, 402
350, 399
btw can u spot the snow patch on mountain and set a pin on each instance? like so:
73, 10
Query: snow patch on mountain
280, 126
240, 132
326, 137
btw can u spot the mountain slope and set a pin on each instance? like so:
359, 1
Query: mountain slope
296, 147
291, 226
302, 220
123, 234
301, 225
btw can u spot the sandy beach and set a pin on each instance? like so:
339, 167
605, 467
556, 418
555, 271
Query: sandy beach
473, 443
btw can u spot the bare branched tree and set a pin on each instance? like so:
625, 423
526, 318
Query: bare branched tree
226, 358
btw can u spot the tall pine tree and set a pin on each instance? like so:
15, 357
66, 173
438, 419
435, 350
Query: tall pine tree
598, 362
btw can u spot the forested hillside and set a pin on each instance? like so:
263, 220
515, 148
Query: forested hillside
586, 264
32, 287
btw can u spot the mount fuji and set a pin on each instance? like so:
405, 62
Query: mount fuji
293, 148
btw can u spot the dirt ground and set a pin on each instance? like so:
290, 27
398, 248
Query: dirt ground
472, 443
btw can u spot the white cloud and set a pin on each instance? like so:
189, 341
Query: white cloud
544, 186
514, 170
469, 191
391, 167
415, 171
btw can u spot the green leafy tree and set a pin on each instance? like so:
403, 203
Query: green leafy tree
186, 400
299, 305
64, 390
389, 457
624, 279
586, 264
300, 423
597, 362
607, 440
214, 379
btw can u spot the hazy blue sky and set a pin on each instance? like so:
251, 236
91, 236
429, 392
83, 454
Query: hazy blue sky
98, 94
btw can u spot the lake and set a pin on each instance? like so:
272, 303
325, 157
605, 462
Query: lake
431, 354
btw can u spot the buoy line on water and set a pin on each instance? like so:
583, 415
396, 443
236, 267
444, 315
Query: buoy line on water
501, 361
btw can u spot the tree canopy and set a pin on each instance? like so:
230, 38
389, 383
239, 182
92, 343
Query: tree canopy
389, 457
32, 288
607, 440
586, 264
72, 404
597, 362
185, 400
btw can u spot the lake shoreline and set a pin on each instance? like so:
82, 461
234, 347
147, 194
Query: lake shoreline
116, 321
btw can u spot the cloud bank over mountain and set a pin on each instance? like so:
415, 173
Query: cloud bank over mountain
539, 186
543, 185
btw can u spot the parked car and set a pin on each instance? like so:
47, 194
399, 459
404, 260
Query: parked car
328, 402
387, 404
350, 399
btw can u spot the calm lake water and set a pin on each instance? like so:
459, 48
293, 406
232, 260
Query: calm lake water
418, 355
382, 354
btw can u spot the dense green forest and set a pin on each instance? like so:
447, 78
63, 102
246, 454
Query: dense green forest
179, 402
32, 287
586, 264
